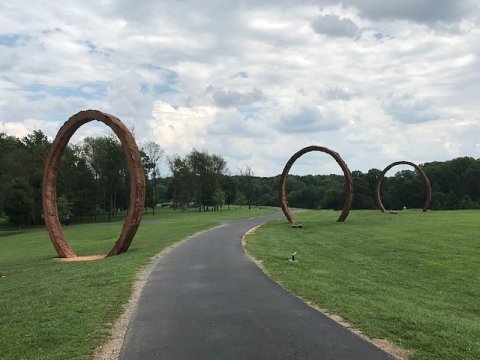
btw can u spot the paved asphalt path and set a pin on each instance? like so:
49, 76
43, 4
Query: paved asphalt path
207, 300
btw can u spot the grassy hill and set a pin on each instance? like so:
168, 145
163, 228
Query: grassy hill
56, 310
410, 277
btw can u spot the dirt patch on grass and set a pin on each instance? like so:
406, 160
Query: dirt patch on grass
392, 349
82, 258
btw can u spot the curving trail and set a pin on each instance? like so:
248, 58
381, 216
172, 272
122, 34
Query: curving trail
206, 299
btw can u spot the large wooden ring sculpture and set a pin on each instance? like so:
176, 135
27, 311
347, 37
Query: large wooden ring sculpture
428, 188
346, 172
137, 181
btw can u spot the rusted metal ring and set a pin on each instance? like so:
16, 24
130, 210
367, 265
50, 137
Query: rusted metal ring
428, 188
137, 181
346, 172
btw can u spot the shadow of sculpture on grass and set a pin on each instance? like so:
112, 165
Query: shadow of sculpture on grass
346, 172
428, 188
49, 187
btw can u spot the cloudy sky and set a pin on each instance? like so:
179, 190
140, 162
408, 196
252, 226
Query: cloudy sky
255, 81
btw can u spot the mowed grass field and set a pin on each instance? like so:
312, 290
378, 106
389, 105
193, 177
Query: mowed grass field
412, 278
56, 310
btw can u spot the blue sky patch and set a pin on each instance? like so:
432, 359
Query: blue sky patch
163, 89
91, 46
144, 88
12, 40
86, 91
170, 78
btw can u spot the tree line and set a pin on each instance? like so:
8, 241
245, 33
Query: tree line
93, 182
455, 185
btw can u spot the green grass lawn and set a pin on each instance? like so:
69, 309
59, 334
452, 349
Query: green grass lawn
412, 278
54, 310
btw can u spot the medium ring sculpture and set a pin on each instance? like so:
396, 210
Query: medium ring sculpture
49, 187
428, 188
346, 172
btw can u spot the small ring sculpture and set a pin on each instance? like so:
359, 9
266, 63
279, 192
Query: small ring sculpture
346, 172
428, 188
137, 181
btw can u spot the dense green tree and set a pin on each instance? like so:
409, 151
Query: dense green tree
332, 199
229, 186
9, 163
219, 198
363, 190
36, 146
76, 182
207, 171
19, 204
64, 208
181, 186
199, 177
105, 157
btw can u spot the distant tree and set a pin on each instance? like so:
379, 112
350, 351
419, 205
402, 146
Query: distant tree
64, 208
32, 159
90, 152
207, 171
181, 186
229, 186
77, 183
19, 204
199, 177
10, 146
154, 154
362, 191
438, 200
104, 155
471, 183
219, 198
247, 184
452, 201
333, 199
240, 199
199, 164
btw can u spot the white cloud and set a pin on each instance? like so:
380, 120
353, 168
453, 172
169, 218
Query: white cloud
420, 11
23, 128
387, 82
405, 107
338, 93
230, 98
335, 26
181, 129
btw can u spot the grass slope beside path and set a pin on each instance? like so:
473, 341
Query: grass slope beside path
56, 310
412, 278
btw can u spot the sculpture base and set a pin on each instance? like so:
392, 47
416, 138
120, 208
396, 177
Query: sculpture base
81, 258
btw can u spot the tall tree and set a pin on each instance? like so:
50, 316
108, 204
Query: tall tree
90, 152
247, 184
199, 177
104, 156
10, 162
229, 186
36, 146
181, 187
155, 155
76, 184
